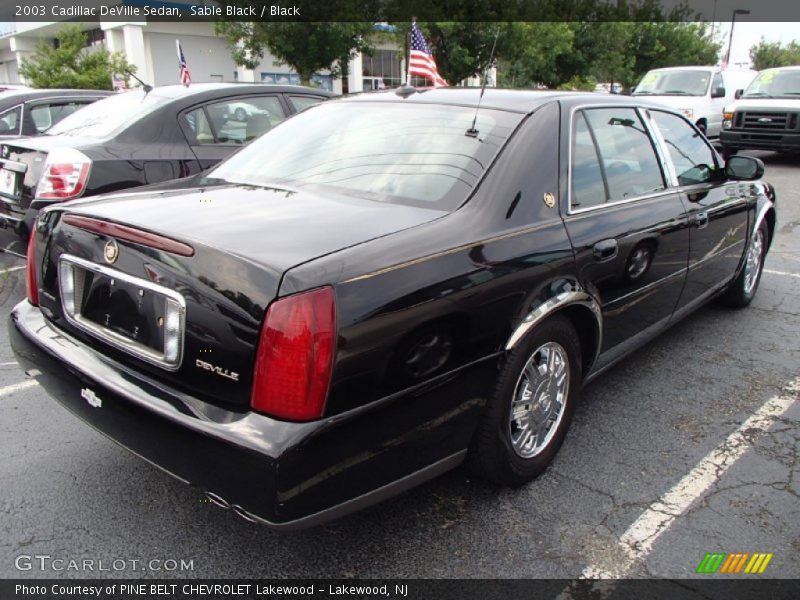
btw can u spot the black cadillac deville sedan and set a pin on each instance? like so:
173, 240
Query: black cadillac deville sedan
383, 287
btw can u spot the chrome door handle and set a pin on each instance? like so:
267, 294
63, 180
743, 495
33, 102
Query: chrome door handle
700, 220
605, 250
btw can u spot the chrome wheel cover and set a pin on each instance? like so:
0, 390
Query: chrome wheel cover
539, 400
638, 262
752, 265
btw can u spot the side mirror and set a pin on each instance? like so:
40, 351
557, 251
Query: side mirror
744, 168
718, 92
738, 94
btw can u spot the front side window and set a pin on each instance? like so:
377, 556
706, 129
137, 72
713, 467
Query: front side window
10, 121
627, 155
415, 154
693, 159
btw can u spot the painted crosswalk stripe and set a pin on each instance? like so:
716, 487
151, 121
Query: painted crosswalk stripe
17, 387
638, 541
784, 273
12, 269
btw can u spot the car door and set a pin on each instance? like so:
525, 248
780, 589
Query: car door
716, 208
217, 129
627, 226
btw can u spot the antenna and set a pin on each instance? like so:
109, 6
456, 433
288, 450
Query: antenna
145, 86
472, 132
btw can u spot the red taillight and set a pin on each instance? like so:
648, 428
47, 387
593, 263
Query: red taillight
31, 283
64, 175
295, 356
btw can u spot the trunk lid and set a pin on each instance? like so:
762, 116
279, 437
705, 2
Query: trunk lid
243, 240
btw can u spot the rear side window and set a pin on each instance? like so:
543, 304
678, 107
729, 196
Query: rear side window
10, 121
46, 115
588, 188
624, 157
692, 157
234, 122
303, 102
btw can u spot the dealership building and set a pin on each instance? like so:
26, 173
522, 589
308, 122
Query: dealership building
150, 46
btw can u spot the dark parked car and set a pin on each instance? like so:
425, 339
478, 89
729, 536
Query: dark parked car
380, 288
139, 138
28, 112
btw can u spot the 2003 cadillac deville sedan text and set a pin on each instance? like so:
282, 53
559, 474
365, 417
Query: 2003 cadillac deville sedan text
382, 287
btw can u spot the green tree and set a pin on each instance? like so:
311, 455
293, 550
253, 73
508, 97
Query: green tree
766, 55
529, 53
306, 47
669, 44
71, 64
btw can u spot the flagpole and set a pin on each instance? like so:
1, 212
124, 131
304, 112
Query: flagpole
408, 43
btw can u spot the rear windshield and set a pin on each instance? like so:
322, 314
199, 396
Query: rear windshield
690, 82
775, 83
407, 154
106, 117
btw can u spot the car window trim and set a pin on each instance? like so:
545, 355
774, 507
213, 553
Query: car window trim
21, 107
665, 173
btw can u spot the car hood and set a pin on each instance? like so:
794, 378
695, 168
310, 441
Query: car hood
675, 102
269, 226
765, 104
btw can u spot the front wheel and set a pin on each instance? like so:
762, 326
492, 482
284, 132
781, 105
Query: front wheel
527, 418
743, 289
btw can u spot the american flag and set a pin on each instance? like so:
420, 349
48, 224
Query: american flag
186, 77
421, 61
118, 83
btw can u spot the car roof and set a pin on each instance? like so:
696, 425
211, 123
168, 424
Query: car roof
21, 95
519, 101
220, 89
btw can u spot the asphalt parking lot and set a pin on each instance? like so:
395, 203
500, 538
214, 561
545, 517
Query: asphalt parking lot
691, 446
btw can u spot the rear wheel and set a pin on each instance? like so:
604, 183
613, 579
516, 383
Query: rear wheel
743, 289
527, 418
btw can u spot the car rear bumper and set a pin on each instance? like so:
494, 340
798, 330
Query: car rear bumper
743, 140
284, 475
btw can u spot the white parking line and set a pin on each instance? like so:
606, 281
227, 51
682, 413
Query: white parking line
11, 270
8, 364
17, 387
637, 542
784, 273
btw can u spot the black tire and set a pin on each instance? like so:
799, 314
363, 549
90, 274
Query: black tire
743, 289
492, 455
